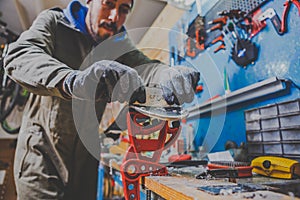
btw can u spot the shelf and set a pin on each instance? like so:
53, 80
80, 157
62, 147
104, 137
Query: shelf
258, 90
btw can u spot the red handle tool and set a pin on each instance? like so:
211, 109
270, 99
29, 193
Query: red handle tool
215, 27
287, 6
222, 20
143, 155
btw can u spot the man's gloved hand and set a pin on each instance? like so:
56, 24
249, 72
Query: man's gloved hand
178, 83
105, 80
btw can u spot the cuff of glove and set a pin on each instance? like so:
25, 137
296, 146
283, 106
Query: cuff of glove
67, 85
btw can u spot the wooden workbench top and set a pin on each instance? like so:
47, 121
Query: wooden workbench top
184, 188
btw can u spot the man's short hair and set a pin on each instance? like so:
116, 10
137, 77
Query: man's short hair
87, 1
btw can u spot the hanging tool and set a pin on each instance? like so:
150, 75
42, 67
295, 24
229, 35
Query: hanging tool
197, 35
220, 20
196, 30
200, 27
243, 52
219, 23
233, 14
191, 49
196, 40
155, 120
219, 48
219, 38
271, 14
280, 25
237, 16
254, 24
222, 46
215, 27
200, 38
287, 6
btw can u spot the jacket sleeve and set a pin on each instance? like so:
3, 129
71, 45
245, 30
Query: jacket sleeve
29, 61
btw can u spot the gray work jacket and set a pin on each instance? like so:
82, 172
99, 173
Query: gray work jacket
39, 60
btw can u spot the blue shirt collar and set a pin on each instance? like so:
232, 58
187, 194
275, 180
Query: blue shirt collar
75, 13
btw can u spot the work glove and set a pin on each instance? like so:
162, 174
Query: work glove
178, 83
105, 80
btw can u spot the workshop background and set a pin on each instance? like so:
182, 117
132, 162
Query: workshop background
247, 52
241, 84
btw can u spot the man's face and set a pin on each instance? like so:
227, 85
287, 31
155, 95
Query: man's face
106, 17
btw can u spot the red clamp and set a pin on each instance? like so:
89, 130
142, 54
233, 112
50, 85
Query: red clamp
148, 138
287, 6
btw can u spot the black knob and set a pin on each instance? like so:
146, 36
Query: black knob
267, 164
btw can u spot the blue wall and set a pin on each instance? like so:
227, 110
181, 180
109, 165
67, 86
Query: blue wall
278, 56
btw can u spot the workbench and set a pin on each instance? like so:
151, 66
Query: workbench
185, 188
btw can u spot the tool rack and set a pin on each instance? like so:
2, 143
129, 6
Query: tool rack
222, 78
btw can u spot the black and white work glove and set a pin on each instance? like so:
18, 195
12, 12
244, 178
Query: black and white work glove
105, 80
178, 83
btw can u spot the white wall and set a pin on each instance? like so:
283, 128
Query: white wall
19, 14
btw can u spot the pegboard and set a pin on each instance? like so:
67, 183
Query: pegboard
244, 5
247, 6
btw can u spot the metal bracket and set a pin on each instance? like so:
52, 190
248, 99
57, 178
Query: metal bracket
258, 90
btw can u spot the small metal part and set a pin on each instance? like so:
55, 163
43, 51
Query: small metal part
165, 113
156, 106
271, 14
267, 164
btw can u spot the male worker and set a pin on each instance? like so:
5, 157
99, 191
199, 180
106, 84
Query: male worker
51, 161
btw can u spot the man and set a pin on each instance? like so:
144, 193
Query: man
51, 61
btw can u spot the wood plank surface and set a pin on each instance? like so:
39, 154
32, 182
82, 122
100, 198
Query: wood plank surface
183, 188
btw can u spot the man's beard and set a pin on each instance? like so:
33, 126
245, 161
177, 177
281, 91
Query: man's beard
100, 38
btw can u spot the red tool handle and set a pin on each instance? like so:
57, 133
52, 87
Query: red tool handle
221, 47
222, 20
287, 6
220, 38
136, 162
190, 50
215, 27
297, 3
